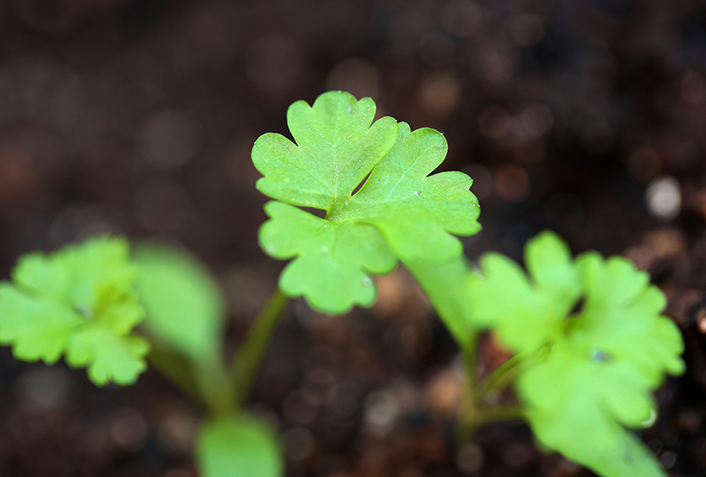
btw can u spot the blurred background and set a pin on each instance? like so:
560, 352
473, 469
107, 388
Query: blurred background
137, 117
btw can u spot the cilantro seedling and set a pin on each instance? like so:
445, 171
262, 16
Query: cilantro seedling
585, 370
186, 314
586, 375
590, 342
79, 302
82, 303
372, 180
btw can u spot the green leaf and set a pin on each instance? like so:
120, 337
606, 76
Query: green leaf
621, 316
524, 313
79, 302
238, 446
333, 257
184, 302
592, 370
37, 329
416, 212
399, 212
336, 147
108, 356
579, 406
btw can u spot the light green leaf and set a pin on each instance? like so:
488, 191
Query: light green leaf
524, 313
184, 301
399, 212
416, 212
336, 147
622, 317
108, 356
579, 406
333, 257
590, 374
238, 446
38, 329
79, 302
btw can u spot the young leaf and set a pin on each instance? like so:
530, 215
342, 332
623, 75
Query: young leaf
337, 145
238, 446
399, 212
593, 370
526, 314
333, 257
566, 393
79, 302
184, 302
417, 213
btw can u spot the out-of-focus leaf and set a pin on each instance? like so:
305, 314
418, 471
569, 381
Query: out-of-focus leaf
590, 371
183, 300
79, 301
525, 313
238, 446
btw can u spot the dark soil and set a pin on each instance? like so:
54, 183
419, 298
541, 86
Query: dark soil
137, 117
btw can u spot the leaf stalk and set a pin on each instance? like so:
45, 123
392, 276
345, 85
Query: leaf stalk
247, 360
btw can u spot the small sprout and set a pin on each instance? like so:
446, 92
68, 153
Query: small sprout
79, 302
619, 327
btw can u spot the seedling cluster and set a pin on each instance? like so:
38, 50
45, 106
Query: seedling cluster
589, 342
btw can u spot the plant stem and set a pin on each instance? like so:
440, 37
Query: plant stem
215, 387
247, 360
504, 413
469, 422
174, 367
498, 379
204, 381
445, 286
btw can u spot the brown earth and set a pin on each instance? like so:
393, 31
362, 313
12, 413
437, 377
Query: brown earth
137, 117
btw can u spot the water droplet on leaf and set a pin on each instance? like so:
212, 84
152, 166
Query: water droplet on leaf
599, 355
84, 310
650, 420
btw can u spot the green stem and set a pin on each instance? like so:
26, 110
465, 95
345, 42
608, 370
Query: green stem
504, 413
470, 408
500, 378
215, 387
174, 367
474, 416
204, 381
247, 360
445, 286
